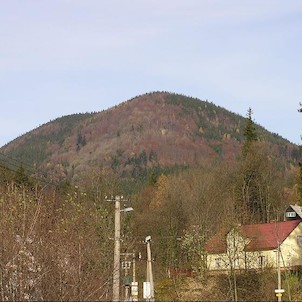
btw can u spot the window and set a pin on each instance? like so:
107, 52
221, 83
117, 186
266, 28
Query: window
290, 214
218, 263
261, 261
299, 240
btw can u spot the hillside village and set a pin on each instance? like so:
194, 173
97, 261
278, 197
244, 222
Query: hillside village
219, 195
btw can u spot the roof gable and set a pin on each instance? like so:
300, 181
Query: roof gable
296, 208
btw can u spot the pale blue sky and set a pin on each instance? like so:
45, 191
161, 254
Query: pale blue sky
59, 57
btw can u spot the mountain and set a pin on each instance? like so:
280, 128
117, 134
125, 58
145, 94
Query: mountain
157, 129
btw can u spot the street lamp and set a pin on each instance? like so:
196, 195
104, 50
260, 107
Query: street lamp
117, 246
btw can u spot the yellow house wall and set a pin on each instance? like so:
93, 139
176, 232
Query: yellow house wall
211, 261
242, 260
291, 251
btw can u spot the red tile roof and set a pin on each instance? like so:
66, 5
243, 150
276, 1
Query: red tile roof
217, 243
263, 236
266, 236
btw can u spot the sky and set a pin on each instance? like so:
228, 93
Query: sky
59, 57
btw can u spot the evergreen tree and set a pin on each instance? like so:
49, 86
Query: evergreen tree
250, 133
254, 178
20, 176
299, 184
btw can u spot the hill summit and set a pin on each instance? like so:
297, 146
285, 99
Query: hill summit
151, 130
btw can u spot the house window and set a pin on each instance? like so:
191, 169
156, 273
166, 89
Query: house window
290, 214
299, 240
261, 261
218, 263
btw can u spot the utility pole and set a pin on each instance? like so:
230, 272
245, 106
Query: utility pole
149, 268
134, 283
117, 249
117, 246
133, 268
279, 272
279, 291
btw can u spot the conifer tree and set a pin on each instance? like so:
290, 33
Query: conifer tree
250, 133
20, 175
299, 184
252, 205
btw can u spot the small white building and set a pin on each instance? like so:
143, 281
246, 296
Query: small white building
255, 246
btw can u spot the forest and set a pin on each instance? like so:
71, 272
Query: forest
57, 238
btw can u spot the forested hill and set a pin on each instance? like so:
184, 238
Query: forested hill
157, 129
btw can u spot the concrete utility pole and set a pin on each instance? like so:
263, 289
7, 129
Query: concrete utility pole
117, 249
117, 246
279, 272
134, 284
279, 291
133, 267
149, 268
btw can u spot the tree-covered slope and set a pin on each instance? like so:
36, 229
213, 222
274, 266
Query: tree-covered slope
156, 129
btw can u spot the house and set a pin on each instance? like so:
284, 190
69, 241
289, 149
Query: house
255, 246
293, 212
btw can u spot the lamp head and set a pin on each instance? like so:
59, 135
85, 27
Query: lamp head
129, 209
148, 239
